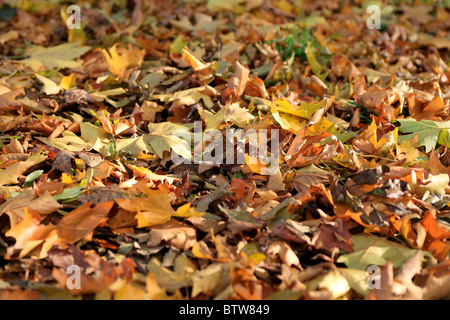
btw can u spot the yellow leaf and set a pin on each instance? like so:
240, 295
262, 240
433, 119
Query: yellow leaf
409, 149
187, 211
436, 183
23, 231
152, 210
319, 127
68, 82
292, 117
304, 110
10, 174
8, 36
130, 291
67, 178
257, 257
201, 250
253, 164
289, 122
117, 63
386, 144
29, 234
120, 59
316, 67
284, 5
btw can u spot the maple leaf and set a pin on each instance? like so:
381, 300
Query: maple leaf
30, 234
15, 207
306, 150
10, 174
378, 251
81, 221
159, 141
8, 99
119, 60
60, 56
436, 236
173, 232
87, 177
429, 133
151, 210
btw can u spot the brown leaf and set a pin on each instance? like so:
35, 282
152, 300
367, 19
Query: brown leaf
174, 233
15, 207
8, 100
102, 195
238, 82
285, 252
334, 235
343, 67
307, 150
11, 173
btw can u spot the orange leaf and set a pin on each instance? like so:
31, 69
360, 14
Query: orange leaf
435, 235
432, 227
238, 186
30, 234
79, 222
24, 230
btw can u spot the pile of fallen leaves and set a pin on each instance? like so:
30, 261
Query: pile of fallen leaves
87, 118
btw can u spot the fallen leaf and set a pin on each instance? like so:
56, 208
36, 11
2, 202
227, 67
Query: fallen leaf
81, 221
151, 210
15, 207
173, 233
370, 250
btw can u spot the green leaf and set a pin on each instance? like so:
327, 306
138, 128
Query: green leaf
429, 133
237, 175
238, 214
69, 194
305, 110
316, 67
31, 177
374, 250
96, 137
342, 135
177, 45
112, 148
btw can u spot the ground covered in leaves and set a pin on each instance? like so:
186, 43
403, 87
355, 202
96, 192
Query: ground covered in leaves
86, 175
